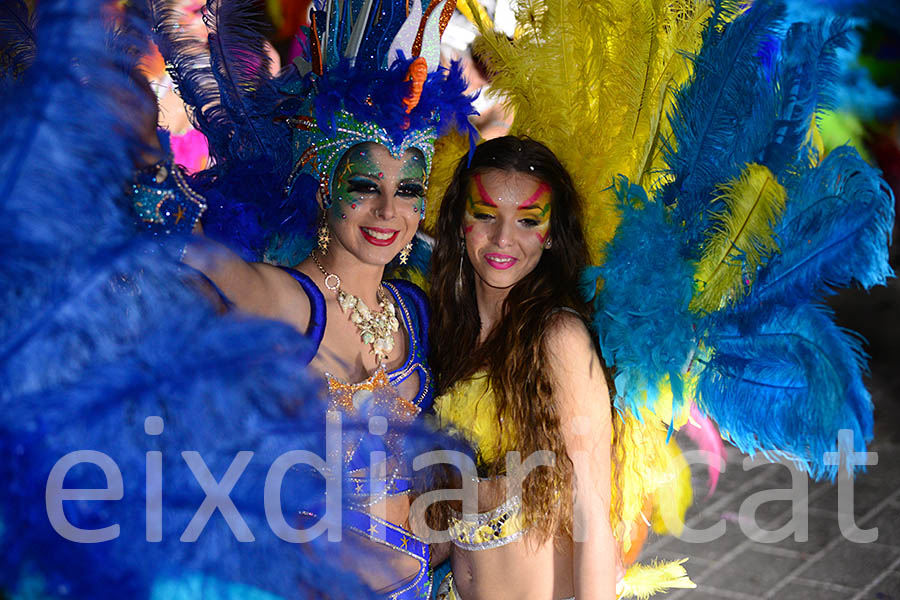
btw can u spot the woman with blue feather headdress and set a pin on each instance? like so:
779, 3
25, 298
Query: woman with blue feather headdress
105, 345
340, 145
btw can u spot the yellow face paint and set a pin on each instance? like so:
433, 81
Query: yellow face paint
537, 209
478, 204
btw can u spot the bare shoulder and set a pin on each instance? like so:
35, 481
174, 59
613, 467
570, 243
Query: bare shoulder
567, 335
281, 297
579, 380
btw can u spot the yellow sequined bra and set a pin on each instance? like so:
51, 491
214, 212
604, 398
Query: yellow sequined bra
468, 408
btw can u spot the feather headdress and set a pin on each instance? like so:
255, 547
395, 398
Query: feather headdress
687, 127
715, 223
369, 73
106, 349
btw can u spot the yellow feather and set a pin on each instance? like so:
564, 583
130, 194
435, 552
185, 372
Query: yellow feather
448, 150
645, 465
475, 13
642, 581
671, 500
594, 80
743, 238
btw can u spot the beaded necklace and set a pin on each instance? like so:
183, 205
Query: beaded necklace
375, 328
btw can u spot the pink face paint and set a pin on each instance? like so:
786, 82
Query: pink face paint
540, 191
485, 197
537, 208
479, 202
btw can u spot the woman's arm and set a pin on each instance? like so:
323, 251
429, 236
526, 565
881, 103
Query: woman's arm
256, 288
584, 408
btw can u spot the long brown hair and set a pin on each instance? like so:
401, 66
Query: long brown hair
514, 354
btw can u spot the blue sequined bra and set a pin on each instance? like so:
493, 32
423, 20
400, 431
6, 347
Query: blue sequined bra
413, 310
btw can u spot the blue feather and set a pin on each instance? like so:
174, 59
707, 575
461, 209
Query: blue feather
855, 91
641, 313
226, 81
100, 329
717, 114
835, 232
242, 68
787, 388
806, 73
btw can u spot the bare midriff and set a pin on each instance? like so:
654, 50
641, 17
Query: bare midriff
519, 570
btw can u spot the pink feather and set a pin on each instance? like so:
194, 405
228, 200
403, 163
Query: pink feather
705, 434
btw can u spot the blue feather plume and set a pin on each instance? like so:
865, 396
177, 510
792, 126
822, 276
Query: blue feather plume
641, 315
226, 81
805, 77
787, 388
835, 232
717, 114
772, 368
101, 328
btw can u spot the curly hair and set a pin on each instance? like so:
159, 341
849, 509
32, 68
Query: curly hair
513, 353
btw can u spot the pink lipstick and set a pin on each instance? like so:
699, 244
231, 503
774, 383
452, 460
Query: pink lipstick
500, 262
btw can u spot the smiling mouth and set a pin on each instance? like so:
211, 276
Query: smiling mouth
500, 261
379, 236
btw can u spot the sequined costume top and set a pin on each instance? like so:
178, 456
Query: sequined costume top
378, 389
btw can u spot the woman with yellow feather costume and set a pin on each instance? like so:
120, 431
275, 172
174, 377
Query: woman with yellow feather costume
715, 219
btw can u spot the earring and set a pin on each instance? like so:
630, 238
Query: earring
548, 245
324, 237
404, 254
458, 288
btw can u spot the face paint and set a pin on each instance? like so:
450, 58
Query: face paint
537, 209
479, 204
356, 176
412, 182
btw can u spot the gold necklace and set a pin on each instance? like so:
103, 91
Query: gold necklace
375, 328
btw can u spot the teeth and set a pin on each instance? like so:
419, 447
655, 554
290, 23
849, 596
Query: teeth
378, 235
500, 260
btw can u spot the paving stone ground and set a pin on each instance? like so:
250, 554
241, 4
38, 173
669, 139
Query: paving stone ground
764, 553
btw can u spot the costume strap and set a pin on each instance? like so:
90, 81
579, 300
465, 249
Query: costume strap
401, 540
316, 328
415, 296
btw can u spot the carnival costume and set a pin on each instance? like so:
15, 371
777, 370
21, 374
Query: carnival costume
716, 221
370, 73
106, 346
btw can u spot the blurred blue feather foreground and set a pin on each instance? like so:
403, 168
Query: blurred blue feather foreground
102, 329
